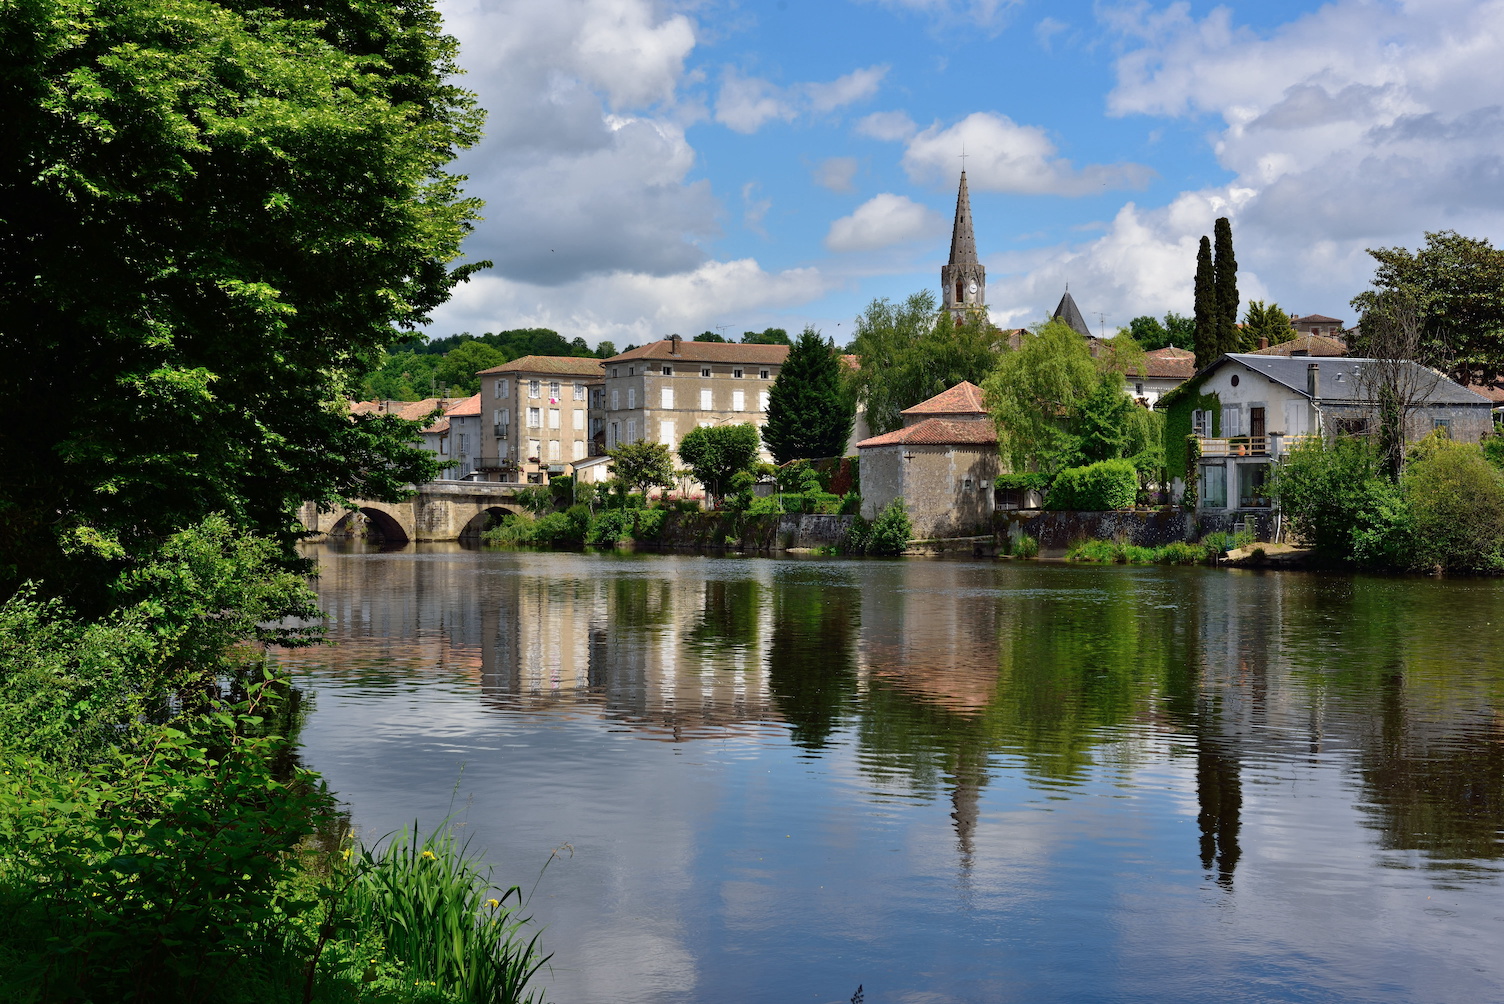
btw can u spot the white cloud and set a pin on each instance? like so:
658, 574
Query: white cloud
1003, 156
836, 173
628, 306
882, 221
754, 209
988, 14
1045, 31
746, 104
887, 126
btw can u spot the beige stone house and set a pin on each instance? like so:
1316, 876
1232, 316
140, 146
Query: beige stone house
661, 390
942, 463
541, 421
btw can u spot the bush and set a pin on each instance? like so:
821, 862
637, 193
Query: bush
612, 526
821, 502
520, 529
1104, 552
1024, 546
891, 530
1180, 553
1338, 502
1456, 507
857, 534
1099, 487
851, 504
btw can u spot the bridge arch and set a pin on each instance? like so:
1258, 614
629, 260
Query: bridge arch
487, 518
387, 525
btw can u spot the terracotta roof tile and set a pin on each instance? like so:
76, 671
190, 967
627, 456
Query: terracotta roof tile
464, 409
1309, 345
965, 398
707, 352
585, 366
1168, 362
938, 432
1314, 319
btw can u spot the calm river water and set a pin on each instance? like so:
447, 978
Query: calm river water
942, 780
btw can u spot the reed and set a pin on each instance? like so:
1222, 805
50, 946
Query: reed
438, 913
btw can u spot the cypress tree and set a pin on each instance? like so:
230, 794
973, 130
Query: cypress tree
1225, 270
1206, 306
809, 410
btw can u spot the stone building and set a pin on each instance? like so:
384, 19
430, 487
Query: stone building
963, 281
661, 390
942, 463
540, 414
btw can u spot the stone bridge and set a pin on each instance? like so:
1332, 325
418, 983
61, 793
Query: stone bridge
440, 510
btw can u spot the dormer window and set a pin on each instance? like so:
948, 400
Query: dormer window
736, 374
668, 370
704, 371
762, 374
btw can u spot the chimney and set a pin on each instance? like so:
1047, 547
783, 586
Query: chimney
1313, 380
673, 343
1263, 343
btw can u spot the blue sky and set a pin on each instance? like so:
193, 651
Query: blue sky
657, 167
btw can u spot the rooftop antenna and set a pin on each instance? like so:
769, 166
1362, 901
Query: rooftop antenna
721, 329
1102, 322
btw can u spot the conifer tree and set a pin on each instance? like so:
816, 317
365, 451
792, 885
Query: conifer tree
1206, 306
1225, 272
809, 410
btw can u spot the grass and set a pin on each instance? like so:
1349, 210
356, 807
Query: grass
1111, 552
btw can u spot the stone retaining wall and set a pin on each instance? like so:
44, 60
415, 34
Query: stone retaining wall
1057, 531
698, 530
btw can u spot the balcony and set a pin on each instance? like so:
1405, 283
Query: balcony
1274, 445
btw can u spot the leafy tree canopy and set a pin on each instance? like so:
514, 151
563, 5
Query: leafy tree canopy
909, 352
810, 410
1458, 284
710, 336
1036, 391
1265, 321
1152, 333
767, 336
642, 465
259, 201
715, 454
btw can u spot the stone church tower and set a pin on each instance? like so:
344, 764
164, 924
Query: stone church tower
963, 282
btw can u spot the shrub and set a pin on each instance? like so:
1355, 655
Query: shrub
821, 502
520, 529
891, 531
857, 534
1104, 552
686, 505
611, 526
851, 504
1456, 505
1109, 484
1024, 546
1180, 553
1133, 554
1331, 494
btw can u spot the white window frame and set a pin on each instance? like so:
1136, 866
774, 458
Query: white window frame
707, 399
666, 398
738, 400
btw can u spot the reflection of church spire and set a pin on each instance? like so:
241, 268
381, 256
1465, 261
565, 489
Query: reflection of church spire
1219, 791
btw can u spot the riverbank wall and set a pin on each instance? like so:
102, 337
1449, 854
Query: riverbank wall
693, 531
1057, 531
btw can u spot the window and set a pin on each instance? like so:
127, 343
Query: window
533, 388
501, 451
631, 398
611, 435
631, 371
966, 485
762, 374
738, 400
1230, 421
579, 392
579, 420
1138, 390
532, 450
1252, 493
668, 370
704, 371
553, 449
579, 450
534, 418
615, 400
615, 372
666, 433
553, 390
1201, 423
707, 399
762, 400
1214, 486
503, 388
736, 374
443, 446
1444, 424
668, 399
553, 418
631, 430
463, 451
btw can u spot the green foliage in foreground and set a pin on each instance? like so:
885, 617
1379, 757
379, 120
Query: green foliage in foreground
1446, 512
889, 533
1110, 552
158, 842
1099, 487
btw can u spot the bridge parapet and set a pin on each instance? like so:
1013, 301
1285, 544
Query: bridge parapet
438, 511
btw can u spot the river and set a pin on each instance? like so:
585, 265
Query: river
772, 780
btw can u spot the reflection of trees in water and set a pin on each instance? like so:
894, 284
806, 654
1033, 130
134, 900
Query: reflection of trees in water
1219, 794
812, 650
729, 616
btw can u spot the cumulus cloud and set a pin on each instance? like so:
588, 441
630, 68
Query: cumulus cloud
1003, 156
836, 173
754, 209
631, 307
882, 221
887, 126
746, 104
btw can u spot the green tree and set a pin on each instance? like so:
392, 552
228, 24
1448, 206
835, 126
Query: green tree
1181, 329
258, 200
1208, 347
456, 371
1456, 502
402, 376
710, 336
1148, 332
606, 349
810, 410
1035, 392
1458, 284
715, 454
1225, 283
1263, 321
1100, 421
910, 352
642, 465
767, 336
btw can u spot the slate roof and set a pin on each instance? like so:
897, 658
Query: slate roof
1071, 315
585, 366
937, 432
963, 243
707, 352
1308, 344
965, 398
1340, 377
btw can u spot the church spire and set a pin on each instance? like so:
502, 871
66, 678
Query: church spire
963, 244
963, 281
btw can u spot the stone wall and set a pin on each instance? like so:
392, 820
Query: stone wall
933, 484
697, 531
1057, 531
